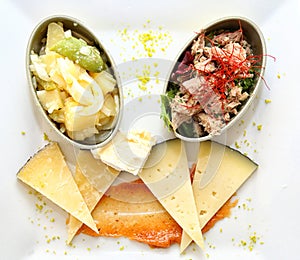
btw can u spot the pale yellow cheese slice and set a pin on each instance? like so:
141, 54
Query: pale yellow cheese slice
91, 196
101, 175
166, 173
48, 173
220, 172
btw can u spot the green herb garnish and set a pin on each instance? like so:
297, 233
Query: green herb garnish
166, 111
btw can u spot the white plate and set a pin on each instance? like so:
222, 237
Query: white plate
268, 201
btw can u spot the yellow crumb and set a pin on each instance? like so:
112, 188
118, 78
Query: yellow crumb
142, 87
237, 145
243, 243
259, 127
46, 138
267, 101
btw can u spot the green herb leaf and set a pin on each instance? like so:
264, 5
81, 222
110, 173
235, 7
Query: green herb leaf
172, 90
246, 83
166, 111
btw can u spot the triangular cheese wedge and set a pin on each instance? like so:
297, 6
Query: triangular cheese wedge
220, 172
98, 174
101, 175
48, 173
166, 174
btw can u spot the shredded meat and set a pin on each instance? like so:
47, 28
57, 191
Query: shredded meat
198, 46
183, 108
228, 37
200, 98
211, 124
209, 95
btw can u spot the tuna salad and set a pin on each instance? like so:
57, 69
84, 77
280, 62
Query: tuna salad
209, 84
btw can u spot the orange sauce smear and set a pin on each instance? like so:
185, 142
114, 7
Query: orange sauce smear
130, 210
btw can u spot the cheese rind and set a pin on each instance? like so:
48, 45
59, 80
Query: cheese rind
48, 173
166, 174
220, 172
